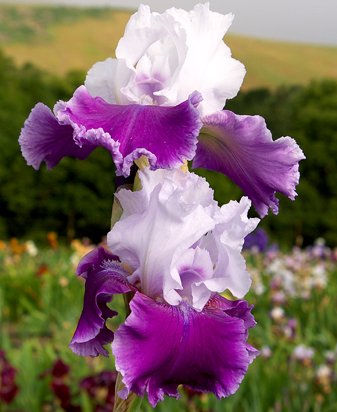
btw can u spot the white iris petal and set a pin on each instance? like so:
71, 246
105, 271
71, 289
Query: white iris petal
166, 57
178, 242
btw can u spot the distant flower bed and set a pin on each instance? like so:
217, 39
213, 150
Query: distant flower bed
294, 297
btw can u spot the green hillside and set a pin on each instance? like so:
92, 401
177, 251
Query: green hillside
60, 39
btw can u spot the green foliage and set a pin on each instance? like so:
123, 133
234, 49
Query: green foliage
75, 198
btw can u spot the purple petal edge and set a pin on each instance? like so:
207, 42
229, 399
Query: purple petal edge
43, 139
241, 147
104, 278
166, 135
160, 347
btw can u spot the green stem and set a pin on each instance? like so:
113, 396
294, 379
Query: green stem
132, 403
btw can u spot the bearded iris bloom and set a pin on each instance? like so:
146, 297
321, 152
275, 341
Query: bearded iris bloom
162, 96
175, 250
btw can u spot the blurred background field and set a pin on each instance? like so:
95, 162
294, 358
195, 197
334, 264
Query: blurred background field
61, 39
44, 55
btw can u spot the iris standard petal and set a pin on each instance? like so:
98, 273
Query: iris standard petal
103, 280
241, 147
105, 79
43, 139
225, 243
173, 215
166, 135
172, 345
177, 52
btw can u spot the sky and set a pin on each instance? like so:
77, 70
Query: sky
308, 21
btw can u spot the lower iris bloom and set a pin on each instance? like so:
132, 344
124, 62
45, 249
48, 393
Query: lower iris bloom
175, 250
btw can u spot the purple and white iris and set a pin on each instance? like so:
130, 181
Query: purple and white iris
162, 96
175, 250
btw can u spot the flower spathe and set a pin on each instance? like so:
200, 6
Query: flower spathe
176, 274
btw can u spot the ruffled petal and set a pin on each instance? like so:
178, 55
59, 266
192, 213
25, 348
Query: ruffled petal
160, 347
208, 66
177, 52
43, 139
225, 244
104, 278
166, 135
171, 216
241, 147
142, 30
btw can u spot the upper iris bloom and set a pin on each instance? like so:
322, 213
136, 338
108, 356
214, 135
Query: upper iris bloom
163, 97
175, 250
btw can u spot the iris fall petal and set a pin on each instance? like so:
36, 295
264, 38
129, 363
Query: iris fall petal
166, 135
174, 345
104, 278
43, 139
241, 147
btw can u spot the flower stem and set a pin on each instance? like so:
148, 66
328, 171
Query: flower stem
131, 404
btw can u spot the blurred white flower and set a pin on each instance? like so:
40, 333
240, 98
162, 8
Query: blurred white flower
277, 313
302, 352
31, 248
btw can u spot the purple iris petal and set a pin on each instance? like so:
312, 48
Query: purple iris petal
166, 135
257, 239
173, 345
94, 260
242, 148
104, 278
235, 308
43, 139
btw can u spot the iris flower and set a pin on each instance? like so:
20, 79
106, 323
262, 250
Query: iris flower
162, 96
175, 250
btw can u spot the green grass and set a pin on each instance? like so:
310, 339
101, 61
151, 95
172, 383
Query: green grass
60, 39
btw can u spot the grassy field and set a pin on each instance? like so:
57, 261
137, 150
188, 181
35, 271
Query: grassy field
62, 39
294, 296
